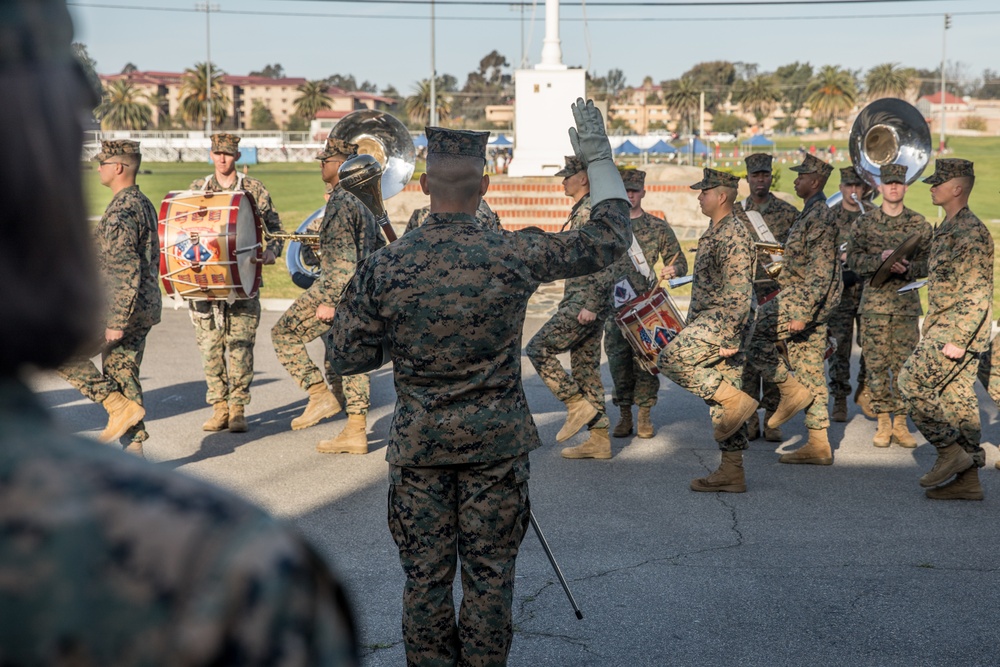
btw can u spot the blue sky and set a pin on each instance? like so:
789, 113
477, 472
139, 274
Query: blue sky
370, 41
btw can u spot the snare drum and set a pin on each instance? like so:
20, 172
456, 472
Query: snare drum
210, 245
649, 322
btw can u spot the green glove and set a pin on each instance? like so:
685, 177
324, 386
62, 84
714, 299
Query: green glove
590, 143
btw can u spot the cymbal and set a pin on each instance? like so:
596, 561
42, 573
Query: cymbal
906, 250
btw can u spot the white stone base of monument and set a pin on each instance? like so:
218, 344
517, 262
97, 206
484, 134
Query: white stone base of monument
542, 118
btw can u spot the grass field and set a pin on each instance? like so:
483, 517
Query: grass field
297, 190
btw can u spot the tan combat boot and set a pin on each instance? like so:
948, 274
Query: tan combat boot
219, 419
794, 397
728, 477
951, 460
883, 434
644, 429
736, 410
771, 434
901, 434
123, 414
965, 486
352, 440
864, 401
623, 428
839, 409
815, 452
322, 404
753, 426
579, 412
237, 420
597, 446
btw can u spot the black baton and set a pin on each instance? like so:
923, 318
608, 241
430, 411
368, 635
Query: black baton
555, 566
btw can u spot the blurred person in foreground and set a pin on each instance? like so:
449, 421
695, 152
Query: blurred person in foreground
104, 558
461, 432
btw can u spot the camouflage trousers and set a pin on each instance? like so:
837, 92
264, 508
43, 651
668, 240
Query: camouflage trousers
225, 334
632, 384
696, 366
888, 341
844, 321
753, 382
120, 373
987, 362
476, 514
299, 326
941, 398
583, 341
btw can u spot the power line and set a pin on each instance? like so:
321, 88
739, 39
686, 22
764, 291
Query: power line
626, 3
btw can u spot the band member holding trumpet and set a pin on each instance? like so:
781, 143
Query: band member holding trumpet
460, 437
128, 251
937, 380
347, 235
707, 356
889, 320
777, 217
844, 319
226, 332
631, 383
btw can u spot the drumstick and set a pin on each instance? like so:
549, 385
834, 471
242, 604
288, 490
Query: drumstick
671, 261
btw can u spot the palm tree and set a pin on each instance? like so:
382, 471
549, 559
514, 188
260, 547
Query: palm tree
418, 105
192, 93
833, 94
683, 97
312, 98
759, 96
122, 107
887, 80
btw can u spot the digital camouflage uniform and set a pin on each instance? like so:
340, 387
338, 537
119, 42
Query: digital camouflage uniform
583, 341
810, 282
226, 332
108, 560
460, 436
845, 316
939, 391
719, 315
484, 215
128, 255
348, 234
889, 321
987, 362
779, 216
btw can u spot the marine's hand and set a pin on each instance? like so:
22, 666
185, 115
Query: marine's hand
113, 335
726, 352
585, 316
590, 141
952, 351
269, 257
796, 326
325, 313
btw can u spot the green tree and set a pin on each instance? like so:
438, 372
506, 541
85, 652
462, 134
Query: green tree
275, 71
715, 78
615, 83
759, 96
887, 80
261, 117
312, 98
793, 83
726, 122
487, 85
89, 66
990, 87
833, 95
123, 107
682, 97
418, 105
296, 124
193, 95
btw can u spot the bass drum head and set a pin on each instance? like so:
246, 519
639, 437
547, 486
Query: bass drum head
249, 240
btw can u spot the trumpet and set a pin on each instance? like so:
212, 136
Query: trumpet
311, 240
776, 251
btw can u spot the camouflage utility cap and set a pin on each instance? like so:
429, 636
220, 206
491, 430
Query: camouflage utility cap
225, 143
892, 173
715, 179
574, 165
813, 165
117, 147
35, 31
758, 162
946, 169
337, 147
634, 179
456, 142
850, 176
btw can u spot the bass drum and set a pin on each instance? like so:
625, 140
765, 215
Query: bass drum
210, 245
301, 260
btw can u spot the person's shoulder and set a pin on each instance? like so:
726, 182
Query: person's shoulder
781, 205
198, 184
253, 184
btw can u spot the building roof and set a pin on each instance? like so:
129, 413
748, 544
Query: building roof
948, 98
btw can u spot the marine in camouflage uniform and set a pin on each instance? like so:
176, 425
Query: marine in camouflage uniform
937, 380
226, 332
484, 214
778, 215
889, 320
632, 384
348, 234
460, 436
845, 316
707, 356
128, 254
811, 283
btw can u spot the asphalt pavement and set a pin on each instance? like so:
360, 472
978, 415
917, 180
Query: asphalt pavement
841, 565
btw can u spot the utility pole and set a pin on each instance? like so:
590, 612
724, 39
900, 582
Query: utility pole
944, 42
208, 9
433, 100
701, 126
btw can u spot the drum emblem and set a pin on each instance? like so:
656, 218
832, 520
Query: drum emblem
191, 253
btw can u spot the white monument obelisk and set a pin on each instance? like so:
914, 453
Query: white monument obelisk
542, 115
